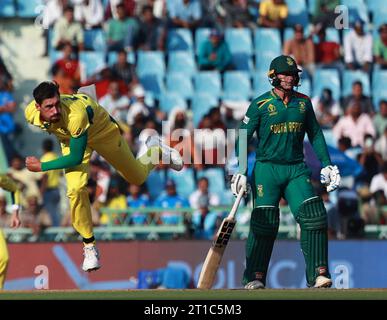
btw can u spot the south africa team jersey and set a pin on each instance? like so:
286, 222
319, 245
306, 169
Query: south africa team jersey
78, 113
281, 128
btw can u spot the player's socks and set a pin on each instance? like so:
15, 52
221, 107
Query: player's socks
264, 225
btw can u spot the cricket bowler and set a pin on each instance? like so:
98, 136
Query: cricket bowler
83, 126
9, 185
280, 118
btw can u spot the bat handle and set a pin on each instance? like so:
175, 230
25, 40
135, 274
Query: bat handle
235, 206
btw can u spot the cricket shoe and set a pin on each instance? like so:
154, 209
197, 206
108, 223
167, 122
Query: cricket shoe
176, 161
322, 282
91, 258
255, 284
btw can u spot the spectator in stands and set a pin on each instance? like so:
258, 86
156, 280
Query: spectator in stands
327, 109
27, 180
7, 123
380, 118
90, 13
137, 108
214, 54
381, 144
121, 31
358, 96
93, 190
115, 103
273, 13
378, 188
184, 14
111, 8
334, 223
125, 70
159, 7
327, 53
100, 173
152, 33
302, 49
380, 47
66, 30
202, 190
369, 159
53, 10
170, 200
237, 14
116, 200
49, 185
137, 199
354, 125
228, 116
358, 48
344, 144
324, 12
35, 217
66, 71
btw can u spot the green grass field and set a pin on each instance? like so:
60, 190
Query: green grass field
267, 294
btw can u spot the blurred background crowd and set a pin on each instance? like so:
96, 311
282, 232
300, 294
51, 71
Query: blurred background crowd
197, 65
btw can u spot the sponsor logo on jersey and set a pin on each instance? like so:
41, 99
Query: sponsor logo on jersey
260, 190
302, 106
246, 120
272, 110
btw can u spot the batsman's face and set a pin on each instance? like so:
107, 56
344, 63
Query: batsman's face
50, 109
287, 80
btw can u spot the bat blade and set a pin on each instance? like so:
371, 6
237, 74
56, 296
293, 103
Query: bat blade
215, 254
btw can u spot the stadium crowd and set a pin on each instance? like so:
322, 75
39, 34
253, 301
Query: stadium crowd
191, 64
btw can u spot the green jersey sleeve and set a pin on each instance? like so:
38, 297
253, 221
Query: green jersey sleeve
74, 158
316, 136
247, 127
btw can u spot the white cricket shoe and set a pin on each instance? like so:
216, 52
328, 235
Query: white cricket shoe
167, 152
255, 284
91, 258
322, 282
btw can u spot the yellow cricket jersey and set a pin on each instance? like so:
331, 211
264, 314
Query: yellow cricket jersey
8, 184
78, 113
53, 176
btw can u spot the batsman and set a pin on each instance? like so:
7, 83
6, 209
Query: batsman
280, 118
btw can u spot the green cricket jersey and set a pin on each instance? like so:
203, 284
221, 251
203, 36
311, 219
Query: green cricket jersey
281, 130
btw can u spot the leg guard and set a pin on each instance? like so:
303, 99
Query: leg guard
312, 218
259, 246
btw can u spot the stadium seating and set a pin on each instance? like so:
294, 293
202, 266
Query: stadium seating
180, 39
94, 39
236, 85
91, 62
239, 40
184, 180
356, 9
153, 84
305, 87
327, 78
177, 82
350, 76
298, 13
242, 61
29, 8
379, 89
170, 100
150, 62
374, 6
208, 82
201, 104
7, 8
269, 40
181, 61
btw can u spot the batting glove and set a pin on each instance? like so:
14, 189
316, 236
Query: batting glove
330, 177
238, 182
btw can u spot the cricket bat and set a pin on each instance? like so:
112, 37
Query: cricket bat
215, 254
